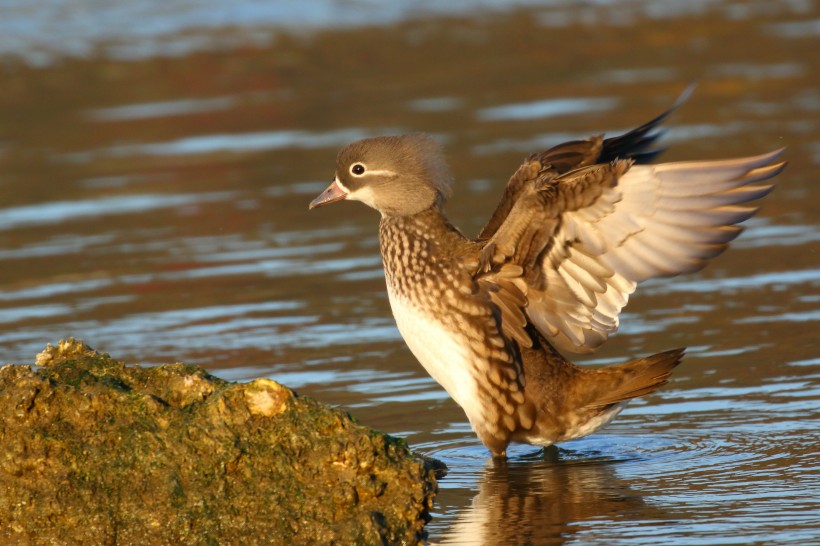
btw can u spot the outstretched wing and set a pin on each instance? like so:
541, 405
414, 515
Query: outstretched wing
583, 240
636, 145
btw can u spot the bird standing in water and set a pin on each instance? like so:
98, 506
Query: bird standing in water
578, 226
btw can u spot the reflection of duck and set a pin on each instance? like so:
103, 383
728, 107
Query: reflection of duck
577, 228
540, 501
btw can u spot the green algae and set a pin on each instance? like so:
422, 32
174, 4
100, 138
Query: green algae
96, 452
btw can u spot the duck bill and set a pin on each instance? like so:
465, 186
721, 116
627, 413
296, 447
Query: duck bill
333, 193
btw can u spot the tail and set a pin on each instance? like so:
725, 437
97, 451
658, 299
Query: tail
636, 378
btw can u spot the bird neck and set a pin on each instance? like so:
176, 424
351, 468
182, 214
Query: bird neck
419, 246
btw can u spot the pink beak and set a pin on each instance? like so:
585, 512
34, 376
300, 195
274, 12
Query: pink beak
333, 193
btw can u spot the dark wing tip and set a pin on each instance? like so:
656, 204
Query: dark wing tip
635, 144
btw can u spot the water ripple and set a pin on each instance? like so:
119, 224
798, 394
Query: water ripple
245, 142
546, 108
57, 212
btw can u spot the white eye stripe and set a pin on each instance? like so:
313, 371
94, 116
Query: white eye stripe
367, 172
379, 173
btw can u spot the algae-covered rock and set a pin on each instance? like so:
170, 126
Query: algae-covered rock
96, 452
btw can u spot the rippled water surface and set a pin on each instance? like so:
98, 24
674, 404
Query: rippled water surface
155, 168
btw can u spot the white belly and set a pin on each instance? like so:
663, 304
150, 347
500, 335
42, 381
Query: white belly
440, 352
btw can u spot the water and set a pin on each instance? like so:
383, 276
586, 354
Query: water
155, 168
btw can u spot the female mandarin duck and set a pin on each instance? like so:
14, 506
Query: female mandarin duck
577, 228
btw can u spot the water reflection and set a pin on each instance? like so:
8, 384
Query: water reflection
643, 487
547, 497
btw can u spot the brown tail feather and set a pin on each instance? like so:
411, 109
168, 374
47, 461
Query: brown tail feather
637, 377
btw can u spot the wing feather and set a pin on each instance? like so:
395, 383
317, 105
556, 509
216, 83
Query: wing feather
583, 240
636, 145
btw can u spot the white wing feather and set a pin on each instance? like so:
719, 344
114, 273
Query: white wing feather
656, 221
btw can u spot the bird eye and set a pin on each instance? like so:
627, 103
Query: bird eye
357, 169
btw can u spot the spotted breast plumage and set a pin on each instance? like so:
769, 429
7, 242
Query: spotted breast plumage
577, 228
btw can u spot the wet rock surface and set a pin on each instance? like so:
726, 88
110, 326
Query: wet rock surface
96, 452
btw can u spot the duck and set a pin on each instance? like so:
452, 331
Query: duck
577, 228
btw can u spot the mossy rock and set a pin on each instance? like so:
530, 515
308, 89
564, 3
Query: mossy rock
96, 452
